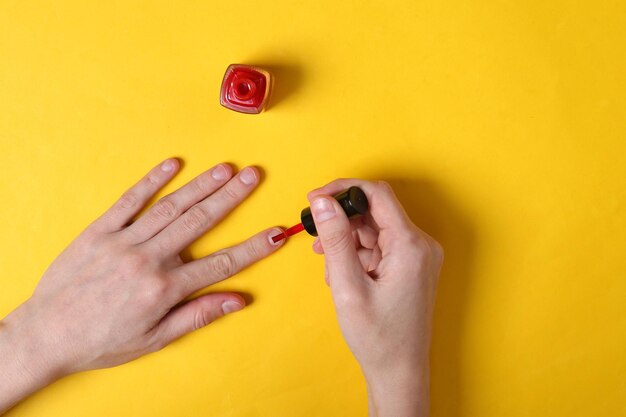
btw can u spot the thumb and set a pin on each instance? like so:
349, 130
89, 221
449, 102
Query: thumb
196, 314
335, 234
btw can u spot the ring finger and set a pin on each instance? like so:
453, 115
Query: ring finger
170, 207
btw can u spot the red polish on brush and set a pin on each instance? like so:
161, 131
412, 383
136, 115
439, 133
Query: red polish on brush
289, 232
353, 201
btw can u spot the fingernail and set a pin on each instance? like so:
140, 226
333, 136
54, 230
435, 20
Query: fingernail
231, 306
322, 209
273, 233
219, 173
247, 176
167, 166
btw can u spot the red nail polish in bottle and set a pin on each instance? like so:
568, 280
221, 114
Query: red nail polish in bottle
245, 88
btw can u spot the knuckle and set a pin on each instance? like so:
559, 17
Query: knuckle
202, 184
230, 193
437, 249
201, 318
384, 186
165, 208
256, 249
155, 293
134, 263
153, 179
414, 239
426, 249
128, 200
423, 251
436, 257
196, 218
337, 241
222, 265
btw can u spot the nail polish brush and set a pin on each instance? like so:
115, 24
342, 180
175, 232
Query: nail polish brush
353, 201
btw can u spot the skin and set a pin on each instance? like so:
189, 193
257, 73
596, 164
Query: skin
382, 271
117, 292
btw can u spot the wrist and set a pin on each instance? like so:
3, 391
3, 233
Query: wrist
27, 362
399, 391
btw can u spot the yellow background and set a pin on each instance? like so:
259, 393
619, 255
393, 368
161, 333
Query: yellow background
502, 126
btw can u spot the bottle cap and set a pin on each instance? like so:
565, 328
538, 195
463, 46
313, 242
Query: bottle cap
353, 201
245, 88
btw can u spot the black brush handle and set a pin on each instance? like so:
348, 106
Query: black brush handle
353, 201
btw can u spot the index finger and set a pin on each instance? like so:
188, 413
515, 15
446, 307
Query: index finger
135, 198
225, 263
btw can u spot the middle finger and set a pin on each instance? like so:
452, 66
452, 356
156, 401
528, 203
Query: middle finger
168, 208
206, 214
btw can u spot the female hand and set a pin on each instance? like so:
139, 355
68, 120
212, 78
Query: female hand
114, 293
383, 272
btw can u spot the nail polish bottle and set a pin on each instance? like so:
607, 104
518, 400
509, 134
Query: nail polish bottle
245, 88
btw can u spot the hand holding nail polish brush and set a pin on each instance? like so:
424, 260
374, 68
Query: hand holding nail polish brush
353, 201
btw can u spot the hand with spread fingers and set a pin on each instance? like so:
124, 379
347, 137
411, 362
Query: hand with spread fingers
382, 271
117, 292
114, 294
